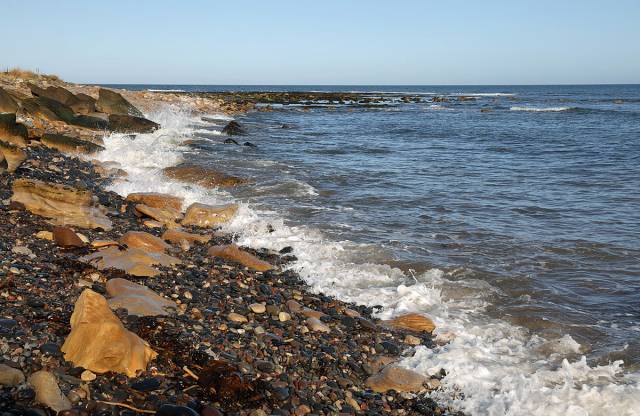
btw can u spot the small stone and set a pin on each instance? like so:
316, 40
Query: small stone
412, 340
148, 384
10, 376
293, 306
258, 308
284, 317
87, 376
302, 410
351, 313
396, 378
44, 235
22, 250
187, 295
316, 325
433, 384
236, 317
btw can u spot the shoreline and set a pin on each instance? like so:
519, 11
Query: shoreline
321, 360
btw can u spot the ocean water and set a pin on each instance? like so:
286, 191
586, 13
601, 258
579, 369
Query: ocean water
512, 220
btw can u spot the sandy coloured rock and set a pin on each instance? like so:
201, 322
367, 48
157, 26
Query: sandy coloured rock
144, 241
99, 342
177, 236
258, 308
47, 391
13, 155
396, 378
234, 253
10, 376
134, 261
157, 200
164, 216
7, 103
202, 215
317, 325
412, 322
137, 299
199, 175
62, 204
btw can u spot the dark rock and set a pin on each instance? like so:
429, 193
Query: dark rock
233, 128
280, 393
7, 323
51, 349
172, 410
286, 250
265, 366
231, 141
249, 144
147, 384
7, 103
69, 144
131, 124
11, 131
111, 102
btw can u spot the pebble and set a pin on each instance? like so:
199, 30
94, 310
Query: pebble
284, 317
22, 250
316, 325
10, 376
258, 308
236, 317
87, 376
412, 340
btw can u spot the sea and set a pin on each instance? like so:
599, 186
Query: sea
510, 215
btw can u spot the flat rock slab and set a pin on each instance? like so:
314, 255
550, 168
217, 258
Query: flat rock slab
134, 261
396, 378
203, 176
137, 299
234, 253
157, 200
144, 241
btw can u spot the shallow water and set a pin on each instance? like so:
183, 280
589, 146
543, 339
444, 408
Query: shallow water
515, 228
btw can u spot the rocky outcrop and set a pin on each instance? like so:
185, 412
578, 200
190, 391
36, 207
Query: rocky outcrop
396, 378
123, 123
11, 131
47, 391
63, 205
111, 102
99, 342
206, 216
13, 156
234, 253
233, 128
134, 261
144, 241
202, 176
68, 144
412, 322
53, 110
137, 299
7, 103
177, 236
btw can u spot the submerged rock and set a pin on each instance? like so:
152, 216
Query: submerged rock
134, 261
202, 215
111, 102
68, 144
396, 378
62, 204
137, 299
206, 177
13, 155
233, 253
11, 131
233, 128
123, 123
99, 342
47, 391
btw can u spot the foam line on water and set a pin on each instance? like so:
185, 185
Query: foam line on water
500, 369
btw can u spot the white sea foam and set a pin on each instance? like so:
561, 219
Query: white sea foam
540, 109
493, 368
167, 90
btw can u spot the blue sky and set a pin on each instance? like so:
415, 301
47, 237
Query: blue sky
325, 42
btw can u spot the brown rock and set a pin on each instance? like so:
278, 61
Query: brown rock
202, 176
157, 200
310, 313
317, 325
396, 378
164, 216
11, 131
144, 241
202, 215
13, 155
10, 376
3, 163
294, 306
233, 253
70, 145
137, 299
66, 237
111, 102
99, 342
47, 391
7, 103
412, 322
62, 204
134, 261
177, 236
130, 124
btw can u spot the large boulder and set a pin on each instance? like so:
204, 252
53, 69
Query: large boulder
206, 216
68, 144
234, 253
63, 205
206, 177
134, 261
13, 156
100, 343
111, 102
11, 131
85, 104
137, 299
123, 123
7, 103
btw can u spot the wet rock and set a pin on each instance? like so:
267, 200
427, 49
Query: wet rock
233, 253
47, 391
134, 261
7, 103
99, 342
233, 128
62, 204
51, 349
231, 141
412, 340
203, 176
258, 308
173, 410
249, 144
137, 299
284, 317
165, 217
144, 241
206, 216
13, 155
66, 237
111, 102
147, 384
177, 236
70, 145
412, 322
10, 376
396, 378
11, 131
131, 124
157, 200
